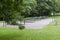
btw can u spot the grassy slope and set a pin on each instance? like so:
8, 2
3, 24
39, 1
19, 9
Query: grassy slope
51, 32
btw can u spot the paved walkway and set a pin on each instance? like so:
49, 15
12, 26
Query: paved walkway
39, 24
33, 24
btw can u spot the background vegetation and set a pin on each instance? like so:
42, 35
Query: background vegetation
12, 10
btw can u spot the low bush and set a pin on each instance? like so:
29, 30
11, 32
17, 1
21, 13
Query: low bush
21, 26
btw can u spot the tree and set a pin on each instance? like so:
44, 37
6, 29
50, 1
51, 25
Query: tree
44, 7
10, 9
29, 5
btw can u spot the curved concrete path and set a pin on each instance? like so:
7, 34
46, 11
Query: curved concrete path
39, 23
33, 25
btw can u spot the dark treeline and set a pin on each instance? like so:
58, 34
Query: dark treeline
12, 10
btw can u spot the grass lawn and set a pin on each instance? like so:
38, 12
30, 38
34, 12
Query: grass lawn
50, 32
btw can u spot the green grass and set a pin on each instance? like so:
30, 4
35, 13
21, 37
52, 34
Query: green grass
50, 32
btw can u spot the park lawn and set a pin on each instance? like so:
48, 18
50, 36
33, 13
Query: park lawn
47, 33
50, 32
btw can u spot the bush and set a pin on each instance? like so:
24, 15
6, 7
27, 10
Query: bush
13, 22
21, 26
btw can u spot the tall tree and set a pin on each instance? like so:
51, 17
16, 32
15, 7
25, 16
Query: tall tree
45, 7
10, 9
29, 5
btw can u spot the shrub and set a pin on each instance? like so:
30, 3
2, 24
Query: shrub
13, 22
21, 26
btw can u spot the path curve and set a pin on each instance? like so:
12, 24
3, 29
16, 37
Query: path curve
39, 24
33, 25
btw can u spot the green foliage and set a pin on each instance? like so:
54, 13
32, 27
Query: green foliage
57, 6
18, 9
45, 7
10, 9
13, 22
28, 5
39, 7
21, 26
